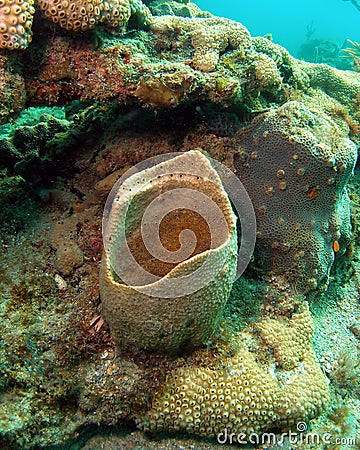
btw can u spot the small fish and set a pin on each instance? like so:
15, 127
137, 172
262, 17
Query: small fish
336, 246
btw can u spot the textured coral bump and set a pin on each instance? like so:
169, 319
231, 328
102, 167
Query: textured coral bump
16, 18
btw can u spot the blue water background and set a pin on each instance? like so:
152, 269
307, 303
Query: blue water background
335, 20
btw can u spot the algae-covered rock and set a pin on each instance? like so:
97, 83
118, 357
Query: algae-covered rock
9, 154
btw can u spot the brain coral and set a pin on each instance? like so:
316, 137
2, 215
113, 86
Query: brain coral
15, 23
295, 166
244, 396
148, 314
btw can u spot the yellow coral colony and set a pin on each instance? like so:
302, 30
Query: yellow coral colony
16, 18
85, 14
141, 321
72, 15
243, 395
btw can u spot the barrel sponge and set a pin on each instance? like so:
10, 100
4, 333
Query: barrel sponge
142, 320
16, 17
209, 36
295, 165
242, 397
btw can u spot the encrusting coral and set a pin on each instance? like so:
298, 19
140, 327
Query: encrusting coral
210, 36
242, 395
295, 165
85, 14
287, 337
16, 17
15, 23
148, 317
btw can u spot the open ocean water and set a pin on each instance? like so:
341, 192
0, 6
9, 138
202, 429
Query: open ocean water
288, 22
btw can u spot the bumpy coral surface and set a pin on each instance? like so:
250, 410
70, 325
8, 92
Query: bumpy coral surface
155, 316
245, 396
295, 166
15, 23
176, 8
287, 338
209, 37
264, 74
61, 368
16, 17
85, 14
73, 15
12, 88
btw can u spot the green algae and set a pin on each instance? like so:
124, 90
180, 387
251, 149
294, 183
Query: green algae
30, 117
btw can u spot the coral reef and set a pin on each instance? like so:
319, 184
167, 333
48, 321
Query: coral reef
83, 15
15, 23
176, 8
353, 53
12, 85
174, 63
16, 18
264, 74
100, 102
323, 51
340, 85
209, 37
289, 338
295, 165
244, 396
154, 316
74, 359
